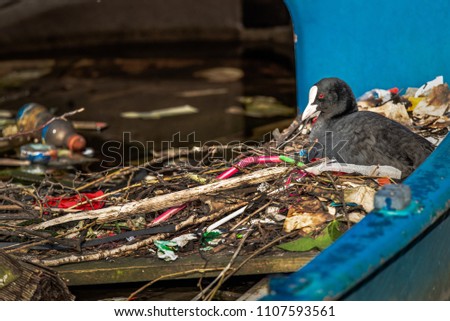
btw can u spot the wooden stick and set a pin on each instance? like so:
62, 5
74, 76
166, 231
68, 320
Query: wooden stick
10, 208
14, 162
118, 212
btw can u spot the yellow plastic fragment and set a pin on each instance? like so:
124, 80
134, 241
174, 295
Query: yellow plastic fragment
414, 101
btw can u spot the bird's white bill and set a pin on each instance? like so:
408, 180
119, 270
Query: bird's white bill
311, 109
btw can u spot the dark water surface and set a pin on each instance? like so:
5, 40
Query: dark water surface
108, 81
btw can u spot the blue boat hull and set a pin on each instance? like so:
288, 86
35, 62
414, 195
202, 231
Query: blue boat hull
386, 256
419, 272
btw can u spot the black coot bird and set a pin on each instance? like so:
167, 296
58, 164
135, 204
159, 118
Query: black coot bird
360, 137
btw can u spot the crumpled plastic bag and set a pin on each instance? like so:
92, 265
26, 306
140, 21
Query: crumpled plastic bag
166, 249
393, 111
436, 103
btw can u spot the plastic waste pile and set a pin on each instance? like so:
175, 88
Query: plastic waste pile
425, 110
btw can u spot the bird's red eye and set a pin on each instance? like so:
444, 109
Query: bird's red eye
321, 96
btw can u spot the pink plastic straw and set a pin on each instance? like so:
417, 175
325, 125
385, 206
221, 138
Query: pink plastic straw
167, 214
248, 161
227, 174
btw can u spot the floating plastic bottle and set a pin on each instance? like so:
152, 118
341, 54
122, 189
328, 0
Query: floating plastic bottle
59, 132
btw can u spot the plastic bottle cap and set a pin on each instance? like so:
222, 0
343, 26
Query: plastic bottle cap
76, 143
394, 90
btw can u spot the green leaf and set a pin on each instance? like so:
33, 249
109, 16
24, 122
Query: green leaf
333, 230
322, 241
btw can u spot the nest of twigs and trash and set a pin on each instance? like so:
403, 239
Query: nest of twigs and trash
240, 199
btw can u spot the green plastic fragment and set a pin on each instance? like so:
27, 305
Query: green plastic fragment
163, 245
209, 237
290, 160
166, 250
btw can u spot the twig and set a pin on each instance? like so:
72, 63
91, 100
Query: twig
257, 252
33, 244
172, 275
287, 131
220, 277
8, 199
42, 236
14, 162
120, 171
41, 208
341, 197
17, 216
250, 216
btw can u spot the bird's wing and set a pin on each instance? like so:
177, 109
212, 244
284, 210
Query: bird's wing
374, 139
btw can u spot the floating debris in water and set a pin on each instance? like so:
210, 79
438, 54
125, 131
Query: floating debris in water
160, 113
220, 74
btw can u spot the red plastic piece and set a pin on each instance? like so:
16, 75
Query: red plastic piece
66, 202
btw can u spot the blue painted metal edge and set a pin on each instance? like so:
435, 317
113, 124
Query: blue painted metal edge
374, 240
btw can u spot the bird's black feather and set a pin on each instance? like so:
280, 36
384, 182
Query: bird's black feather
363, 137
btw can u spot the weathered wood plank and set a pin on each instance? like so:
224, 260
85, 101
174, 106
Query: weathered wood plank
128, 269
257, 291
